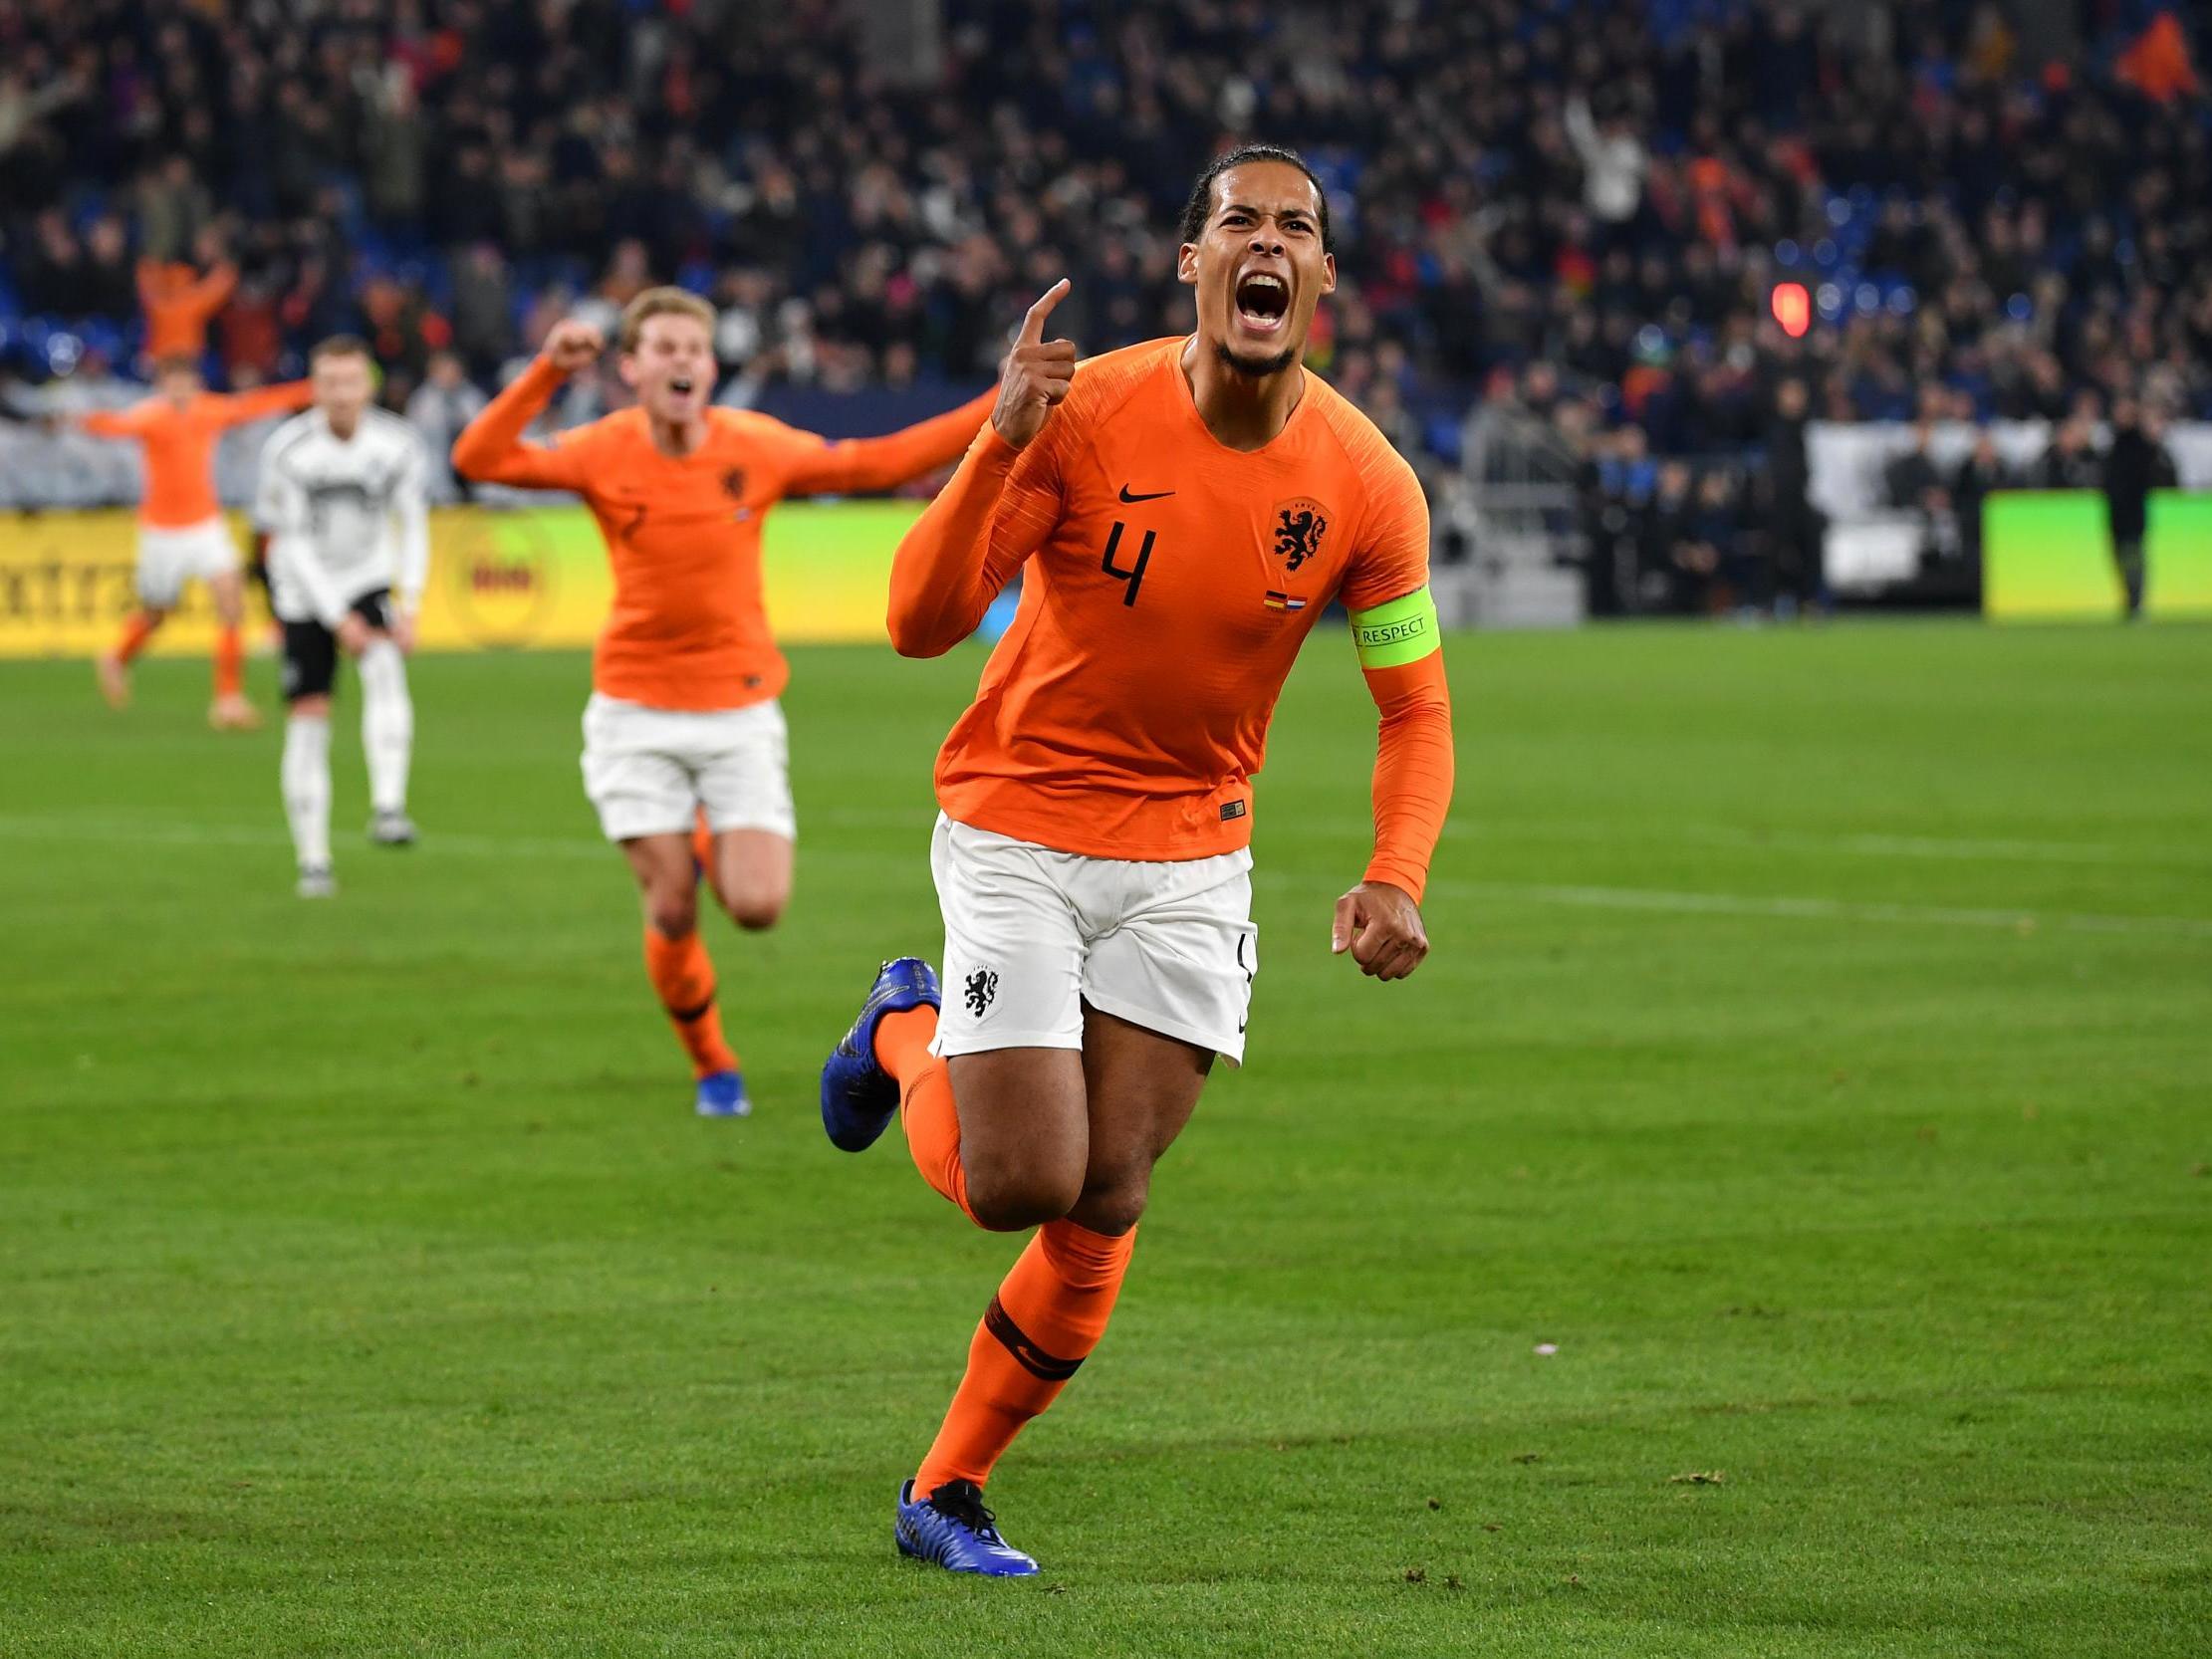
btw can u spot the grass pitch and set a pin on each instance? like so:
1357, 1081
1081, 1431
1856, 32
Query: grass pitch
1815, 1050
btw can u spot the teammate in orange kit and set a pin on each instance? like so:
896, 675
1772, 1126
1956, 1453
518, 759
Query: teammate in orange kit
683, 719
182, 533
1185, 509
179, 303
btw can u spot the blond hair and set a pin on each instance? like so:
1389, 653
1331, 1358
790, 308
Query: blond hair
661, 302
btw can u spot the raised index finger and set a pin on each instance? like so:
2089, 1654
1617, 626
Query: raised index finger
1033, 322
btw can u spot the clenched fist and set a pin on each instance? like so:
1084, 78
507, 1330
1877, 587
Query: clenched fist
1382, 926
1037, 373
572, 344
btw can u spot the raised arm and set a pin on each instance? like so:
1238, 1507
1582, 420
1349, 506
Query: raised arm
239, 408
999, 507
491, 449
884, 463
1582, 132
114, 423
208, 295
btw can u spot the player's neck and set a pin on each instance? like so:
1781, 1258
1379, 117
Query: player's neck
677, 438
1243, 411
342, 433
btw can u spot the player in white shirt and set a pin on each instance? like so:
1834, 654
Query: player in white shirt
342, 496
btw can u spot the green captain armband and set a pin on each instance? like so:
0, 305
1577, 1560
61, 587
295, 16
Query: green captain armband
1392, 635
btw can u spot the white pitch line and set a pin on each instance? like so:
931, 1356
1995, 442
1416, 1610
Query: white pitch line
1579, 897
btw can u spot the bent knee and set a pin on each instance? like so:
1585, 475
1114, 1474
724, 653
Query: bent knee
1007, 1199
1112, 1206
755, 912
671, 915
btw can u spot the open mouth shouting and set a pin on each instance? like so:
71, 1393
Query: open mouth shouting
1263, 302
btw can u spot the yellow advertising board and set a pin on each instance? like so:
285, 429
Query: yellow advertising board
527, 578
2047, 557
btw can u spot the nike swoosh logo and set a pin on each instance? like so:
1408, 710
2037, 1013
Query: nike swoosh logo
1132, 500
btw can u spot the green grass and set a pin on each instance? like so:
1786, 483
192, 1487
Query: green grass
1815, 1047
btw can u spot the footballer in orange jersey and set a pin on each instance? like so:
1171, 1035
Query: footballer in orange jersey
182, 534
683, 720
1183, 512
179, 304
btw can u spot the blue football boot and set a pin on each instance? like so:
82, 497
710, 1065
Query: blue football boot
722, 1094
858, 1097
951, 1529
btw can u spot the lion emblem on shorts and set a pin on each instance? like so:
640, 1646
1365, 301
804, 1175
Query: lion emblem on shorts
982, 986
1299, 528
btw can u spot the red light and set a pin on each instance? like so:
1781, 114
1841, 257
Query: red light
1792, 308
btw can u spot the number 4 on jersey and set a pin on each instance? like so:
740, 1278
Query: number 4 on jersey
1134, 575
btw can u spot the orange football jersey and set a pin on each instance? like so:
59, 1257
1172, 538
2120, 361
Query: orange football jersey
179, 445
1168, 583
688, 629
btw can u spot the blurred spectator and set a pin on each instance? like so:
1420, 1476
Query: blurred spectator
1611, 191
108, 286
443, 404
1684, 567
2135, 465
180, 301
483, 311
1613, 165
2071, 462
1794, 527
1916, 485
1980, 475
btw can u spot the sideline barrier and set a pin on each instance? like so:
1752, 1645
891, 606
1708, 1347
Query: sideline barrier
529, 579
2047, 557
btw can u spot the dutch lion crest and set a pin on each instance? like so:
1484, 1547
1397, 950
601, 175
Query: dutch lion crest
1299, 528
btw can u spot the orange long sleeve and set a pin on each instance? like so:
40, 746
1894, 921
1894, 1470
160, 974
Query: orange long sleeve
965, 547
114, 423
858, 464
491, 449
1413, 768
237, 409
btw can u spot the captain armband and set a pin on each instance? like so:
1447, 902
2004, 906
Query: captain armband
1401, 632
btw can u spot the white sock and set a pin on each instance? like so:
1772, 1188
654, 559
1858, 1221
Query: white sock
306, 773
387, 725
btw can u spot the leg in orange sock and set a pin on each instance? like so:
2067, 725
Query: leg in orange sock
230, 712
684, 974
114, 664
925, 1105
135, 632
1049, 1315
230, 657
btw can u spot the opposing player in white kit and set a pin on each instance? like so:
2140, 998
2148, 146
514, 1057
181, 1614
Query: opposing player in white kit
342, 496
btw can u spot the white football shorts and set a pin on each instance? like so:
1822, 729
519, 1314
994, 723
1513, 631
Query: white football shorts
650, 770
168, 558
1031, 935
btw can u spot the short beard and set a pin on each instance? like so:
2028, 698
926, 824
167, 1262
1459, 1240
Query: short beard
1254, 369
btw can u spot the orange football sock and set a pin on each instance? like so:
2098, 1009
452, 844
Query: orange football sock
683, 974
702, 842
230, 657
1049, 1315
135, 632
925, 1103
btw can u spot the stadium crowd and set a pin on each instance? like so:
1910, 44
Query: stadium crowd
1577, 206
